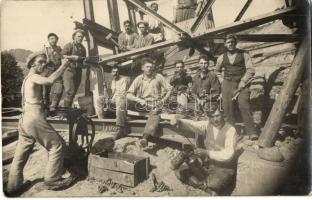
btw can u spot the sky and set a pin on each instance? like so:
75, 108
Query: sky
26, 24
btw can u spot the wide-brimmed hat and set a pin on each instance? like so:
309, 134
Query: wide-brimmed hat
32, 56
78, 31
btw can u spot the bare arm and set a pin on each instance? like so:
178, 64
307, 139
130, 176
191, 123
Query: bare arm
40, 80
198, 127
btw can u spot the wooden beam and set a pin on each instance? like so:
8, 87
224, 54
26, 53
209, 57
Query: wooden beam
139, 51
114, 18
202, 15
262, 37
95, 27
99, 36
132, 16
92, 47
242, 12
279, 108
240, 25
247, 23
149, 11
113, 15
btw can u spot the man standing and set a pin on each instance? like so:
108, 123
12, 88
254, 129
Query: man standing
238, 69
215, 146
72, 75
34, 127
54, 57
119, 89
182, 84
156, 28
126, 39
146, 93
144, 39
206, 87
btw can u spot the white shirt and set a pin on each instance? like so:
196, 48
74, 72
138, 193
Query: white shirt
201, 127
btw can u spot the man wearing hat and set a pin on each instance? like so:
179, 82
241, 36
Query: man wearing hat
156, 28
52, 94
144, 39
72, 75
238, 69
34, 127
215, 148
126, 39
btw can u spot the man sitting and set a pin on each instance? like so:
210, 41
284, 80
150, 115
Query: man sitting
215, 148
182, 84
146, 94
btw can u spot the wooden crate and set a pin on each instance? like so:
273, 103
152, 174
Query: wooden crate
122, 168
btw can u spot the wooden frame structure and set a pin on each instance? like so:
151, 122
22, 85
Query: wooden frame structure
97, 33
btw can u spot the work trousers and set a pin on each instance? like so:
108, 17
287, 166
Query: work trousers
119, 108
56, 94
71, 80
153, 119
228, 87
33, 127
218, 178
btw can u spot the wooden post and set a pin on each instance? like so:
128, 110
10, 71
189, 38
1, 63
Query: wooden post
278, 111
92, 47
132, 17
242, 12
202, 15
114, 18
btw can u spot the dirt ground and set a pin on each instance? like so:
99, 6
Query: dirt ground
159, 162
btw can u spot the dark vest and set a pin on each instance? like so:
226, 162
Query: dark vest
235, 71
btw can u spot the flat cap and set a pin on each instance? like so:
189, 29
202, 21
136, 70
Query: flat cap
52, 34
32, 56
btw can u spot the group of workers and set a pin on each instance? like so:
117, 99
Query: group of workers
56, 68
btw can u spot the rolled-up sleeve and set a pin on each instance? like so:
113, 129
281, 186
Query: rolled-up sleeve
226, 153
134, 86
250, 70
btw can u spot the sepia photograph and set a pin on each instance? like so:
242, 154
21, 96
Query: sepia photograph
155, 98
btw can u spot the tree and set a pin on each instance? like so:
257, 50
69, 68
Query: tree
11, 80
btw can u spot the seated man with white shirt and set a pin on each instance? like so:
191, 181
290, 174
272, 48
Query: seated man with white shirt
215, 147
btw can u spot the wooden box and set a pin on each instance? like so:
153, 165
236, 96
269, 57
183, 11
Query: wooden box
122, 168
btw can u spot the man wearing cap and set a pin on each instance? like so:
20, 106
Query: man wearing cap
156, 28
238, 69
144, 38
206, 86
148, 92
72, 75
33, 127
126, 39
216, 142
52, 94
